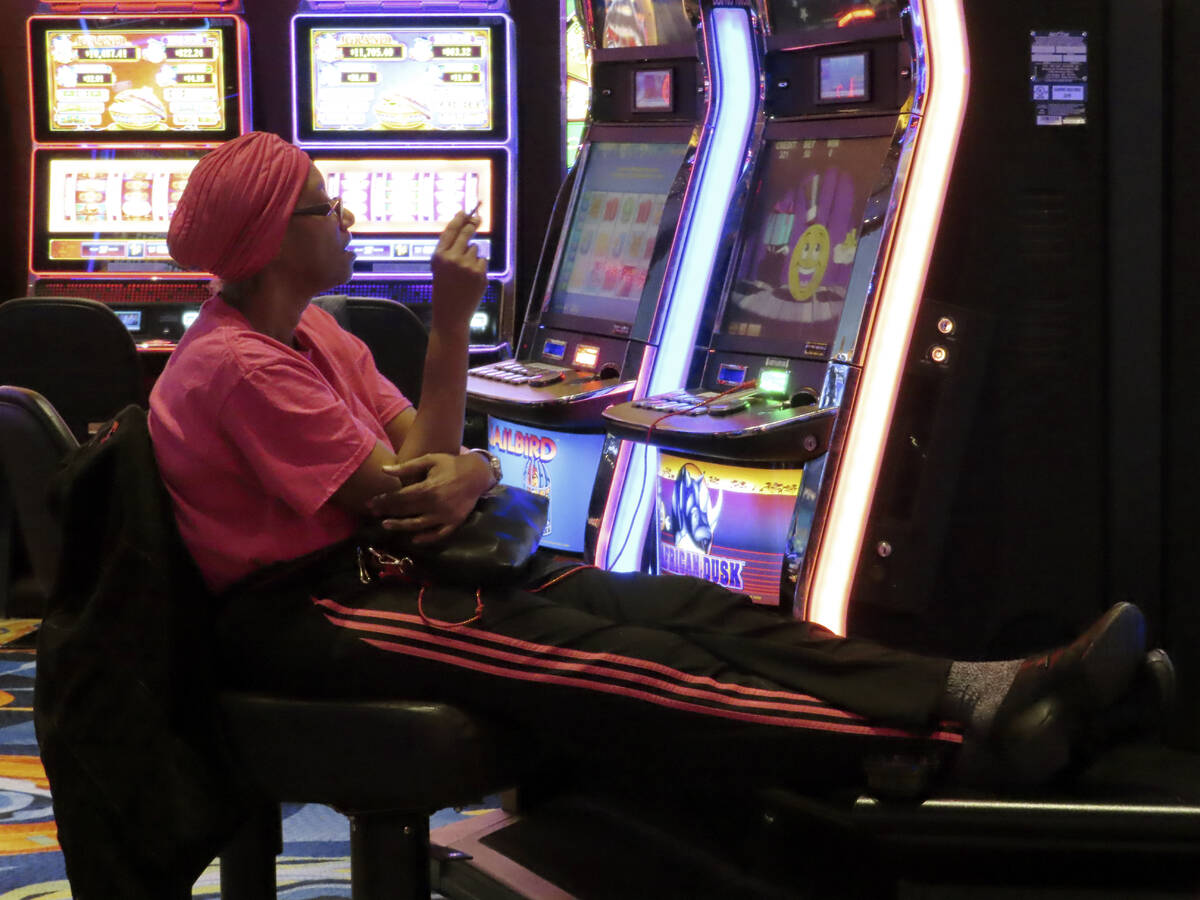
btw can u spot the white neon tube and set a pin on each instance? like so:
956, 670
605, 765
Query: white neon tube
903, 281
719, 165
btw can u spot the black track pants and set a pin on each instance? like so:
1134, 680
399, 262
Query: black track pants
665, 673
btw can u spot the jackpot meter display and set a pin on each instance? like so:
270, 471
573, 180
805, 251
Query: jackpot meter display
364, 80
151, 80
725, 523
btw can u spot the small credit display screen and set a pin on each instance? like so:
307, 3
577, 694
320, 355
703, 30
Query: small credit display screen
728, 374
843, 78
402, 204
645, 23
614, 229
158, 79
399, 78
799, 244
586, 356
653, 91
130, 318
107, 210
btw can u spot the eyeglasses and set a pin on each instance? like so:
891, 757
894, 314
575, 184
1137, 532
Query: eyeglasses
328, 208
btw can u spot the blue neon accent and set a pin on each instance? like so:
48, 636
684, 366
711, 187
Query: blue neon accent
720, 161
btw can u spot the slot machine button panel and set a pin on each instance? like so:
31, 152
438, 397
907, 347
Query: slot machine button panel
727, 407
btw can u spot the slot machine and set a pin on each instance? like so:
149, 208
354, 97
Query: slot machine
577, 83
124, 100
761, 472
408, 109
634, 239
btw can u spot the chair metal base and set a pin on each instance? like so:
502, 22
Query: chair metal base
389, 856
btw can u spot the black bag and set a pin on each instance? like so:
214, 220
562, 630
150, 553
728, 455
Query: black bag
493, 545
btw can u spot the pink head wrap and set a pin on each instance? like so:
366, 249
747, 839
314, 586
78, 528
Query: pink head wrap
232, 215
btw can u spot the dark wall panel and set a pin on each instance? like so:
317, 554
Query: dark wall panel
1182, 340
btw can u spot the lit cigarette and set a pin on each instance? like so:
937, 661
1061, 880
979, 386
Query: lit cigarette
471, 214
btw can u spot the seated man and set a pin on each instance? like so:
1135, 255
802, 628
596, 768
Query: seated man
278, 439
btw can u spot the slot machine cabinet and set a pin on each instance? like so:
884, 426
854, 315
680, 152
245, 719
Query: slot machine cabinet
408, 109
124, 99
779, 437
671, 116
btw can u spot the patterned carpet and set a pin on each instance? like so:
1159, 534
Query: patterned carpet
315, 864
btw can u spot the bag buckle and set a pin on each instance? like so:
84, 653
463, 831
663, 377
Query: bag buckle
375, 564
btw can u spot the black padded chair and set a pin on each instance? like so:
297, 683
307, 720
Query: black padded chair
394, 333
78, 355
386, 764
75, 353
33, 439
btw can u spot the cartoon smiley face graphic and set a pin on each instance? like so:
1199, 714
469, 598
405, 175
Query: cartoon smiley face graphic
810, 258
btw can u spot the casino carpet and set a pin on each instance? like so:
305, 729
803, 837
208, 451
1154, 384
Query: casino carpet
315, 864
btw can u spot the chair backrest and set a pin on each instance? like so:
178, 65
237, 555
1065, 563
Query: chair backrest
394, 333
74, 352
33, 442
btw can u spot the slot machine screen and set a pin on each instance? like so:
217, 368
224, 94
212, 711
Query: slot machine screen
135, 79
800, 240
614, 231
107, 211
725, 524
844, 77
653, 91
645, 23
788, 16
366, 79
401, 204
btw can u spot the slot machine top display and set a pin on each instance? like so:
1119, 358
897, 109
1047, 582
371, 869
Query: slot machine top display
642, 23
120, 79
390, 79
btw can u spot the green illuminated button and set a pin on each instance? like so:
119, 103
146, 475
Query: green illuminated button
773, 381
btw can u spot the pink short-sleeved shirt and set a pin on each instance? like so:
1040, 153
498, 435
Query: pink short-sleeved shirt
253, 437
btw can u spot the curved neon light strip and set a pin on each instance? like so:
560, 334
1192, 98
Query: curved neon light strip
899, 296
719, 165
